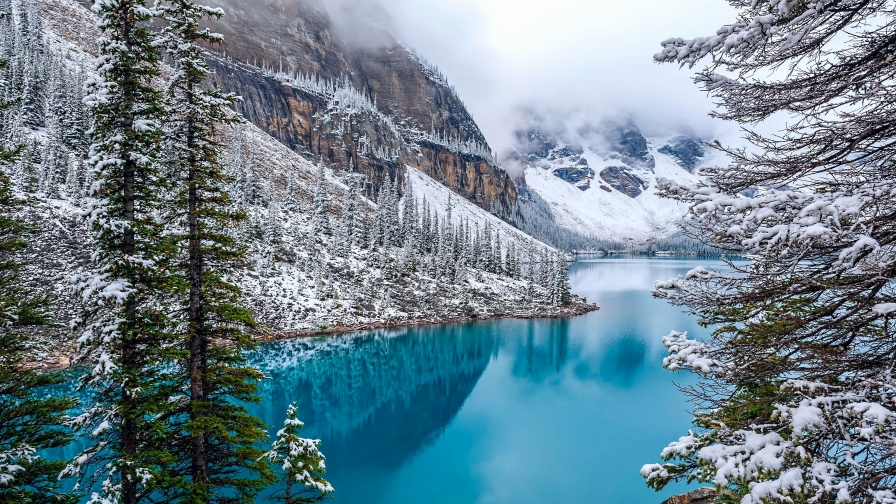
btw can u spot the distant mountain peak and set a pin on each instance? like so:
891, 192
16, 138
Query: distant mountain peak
687, 151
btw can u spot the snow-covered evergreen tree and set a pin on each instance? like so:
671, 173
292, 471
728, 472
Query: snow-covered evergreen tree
217, 445
320, 220
302, 463
30, 422
125, 328
797, 400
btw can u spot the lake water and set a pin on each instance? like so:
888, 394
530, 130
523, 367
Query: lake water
502, 412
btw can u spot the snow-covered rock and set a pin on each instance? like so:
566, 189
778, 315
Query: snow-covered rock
601, 182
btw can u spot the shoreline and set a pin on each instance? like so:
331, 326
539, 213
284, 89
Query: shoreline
576, 310
580, 307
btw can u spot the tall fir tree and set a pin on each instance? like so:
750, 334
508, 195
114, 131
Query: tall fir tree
320, 219
127, 328
217, 440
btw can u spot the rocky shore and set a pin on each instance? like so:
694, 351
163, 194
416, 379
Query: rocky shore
699, 496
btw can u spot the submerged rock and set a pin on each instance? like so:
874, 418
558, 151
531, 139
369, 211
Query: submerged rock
699, 496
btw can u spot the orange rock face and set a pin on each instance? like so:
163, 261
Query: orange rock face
699, 496
411, 99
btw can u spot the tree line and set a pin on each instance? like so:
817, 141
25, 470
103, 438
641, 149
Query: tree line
173, 209
163, 325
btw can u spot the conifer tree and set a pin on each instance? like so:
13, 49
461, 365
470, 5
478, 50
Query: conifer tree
797, 396
126, 327
409, 217
302, 463
320, 219
29, 422
217, 441
561, 276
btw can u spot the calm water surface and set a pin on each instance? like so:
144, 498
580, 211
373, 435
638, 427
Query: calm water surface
503, 412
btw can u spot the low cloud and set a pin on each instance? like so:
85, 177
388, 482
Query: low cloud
590, 59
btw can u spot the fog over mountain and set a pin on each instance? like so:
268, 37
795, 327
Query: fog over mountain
569, 58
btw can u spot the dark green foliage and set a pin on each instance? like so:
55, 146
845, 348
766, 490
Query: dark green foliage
217, 441
127, 329
29, 423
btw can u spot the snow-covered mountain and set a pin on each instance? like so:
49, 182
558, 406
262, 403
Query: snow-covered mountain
599, 182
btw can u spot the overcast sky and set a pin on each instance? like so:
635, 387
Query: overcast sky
592, 57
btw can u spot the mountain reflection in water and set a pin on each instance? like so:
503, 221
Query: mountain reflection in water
493, 412
506, 411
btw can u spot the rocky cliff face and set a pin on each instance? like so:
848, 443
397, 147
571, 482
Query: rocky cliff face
535, 148
621, 179
686, 151
631, 147
347, 92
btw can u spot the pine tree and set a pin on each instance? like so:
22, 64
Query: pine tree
29, 421
320, 219
797, 394
127, 328
302, 463
217, 443
563, 288
409, 216
33, 104
348, 225
393, 216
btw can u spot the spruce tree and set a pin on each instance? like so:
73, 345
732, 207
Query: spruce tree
217, 440
320, 219
563, 295
301, 461
29, 421
127, 328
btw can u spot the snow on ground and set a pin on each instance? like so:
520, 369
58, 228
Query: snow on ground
300, 284
614, 216
440, 198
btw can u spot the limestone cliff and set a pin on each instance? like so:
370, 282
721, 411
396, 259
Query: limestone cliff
347, 92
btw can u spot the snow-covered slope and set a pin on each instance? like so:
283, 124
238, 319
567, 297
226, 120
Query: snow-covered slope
297, 279
604, 186
613, 215
441, 198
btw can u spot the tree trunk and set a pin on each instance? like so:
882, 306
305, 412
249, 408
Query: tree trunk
129, 350
198, 340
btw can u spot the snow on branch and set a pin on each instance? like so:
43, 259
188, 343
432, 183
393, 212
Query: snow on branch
686, 353
783, 23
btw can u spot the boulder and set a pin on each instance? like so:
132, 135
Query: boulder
699, 496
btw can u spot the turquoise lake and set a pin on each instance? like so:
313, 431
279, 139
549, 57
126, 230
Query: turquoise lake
495, 412
502, 412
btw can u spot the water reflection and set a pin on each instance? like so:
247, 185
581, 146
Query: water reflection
476, 412
544, 352
378, 398
507, 411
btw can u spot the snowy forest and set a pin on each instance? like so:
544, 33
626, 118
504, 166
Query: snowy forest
151, 231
